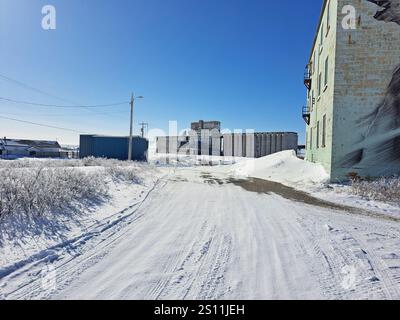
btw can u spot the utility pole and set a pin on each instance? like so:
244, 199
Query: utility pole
131, 130
144, 125
5, 148
131, 126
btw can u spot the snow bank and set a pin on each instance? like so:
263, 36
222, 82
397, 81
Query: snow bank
283, 167
286, 168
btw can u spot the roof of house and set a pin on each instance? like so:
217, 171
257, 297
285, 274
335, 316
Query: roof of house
39, 144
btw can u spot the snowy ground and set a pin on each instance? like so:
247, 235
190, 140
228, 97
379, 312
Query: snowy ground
25, 238
203, 232
286, 168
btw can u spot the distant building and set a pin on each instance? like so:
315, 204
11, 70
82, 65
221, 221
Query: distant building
70, 152
258, 145
113, 147
206, 125
19, 148
353, 90
179, 144
206, 139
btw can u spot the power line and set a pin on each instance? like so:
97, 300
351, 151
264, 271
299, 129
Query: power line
27, 86
75, 105
61, 106
59, 114
41, 124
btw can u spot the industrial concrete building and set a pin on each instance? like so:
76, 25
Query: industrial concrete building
257, 145
174, 145
206, 125
206, 139
353, 83
113, 147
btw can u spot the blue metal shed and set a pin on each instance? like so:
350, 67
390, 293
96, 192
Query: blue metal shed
113, 147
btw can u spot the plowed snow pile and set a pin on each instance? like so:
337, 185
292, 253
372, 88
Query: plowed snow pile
283, 167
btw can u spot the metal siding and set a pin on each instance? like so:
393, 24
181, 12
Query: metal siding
113, 147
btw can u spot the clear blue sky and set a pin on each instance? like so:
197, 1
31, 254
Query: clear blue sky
237, 61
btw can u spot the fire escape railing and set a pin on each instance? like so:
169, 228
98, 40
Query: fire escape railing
307, 79
306, 113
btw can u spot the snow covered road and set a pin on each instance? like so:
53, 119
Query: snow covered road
200, 235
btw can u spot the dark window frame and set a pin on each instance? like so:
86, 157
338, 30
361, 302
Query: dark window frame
324, 131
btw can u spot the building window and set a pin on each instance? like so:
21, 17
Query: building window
315, 62
319, 84
311, 66
311, 138
317, 134
326, 71
312, 101
324, 132
306, 140
328, 16
321, 41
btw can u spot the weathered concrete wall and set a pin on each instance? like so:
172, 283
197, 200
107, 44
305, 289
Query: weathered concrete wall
251, 145
320, 101
216, 143
205, 142
228, 145
361, 102
258, 145
367, 92
206, 125
238, 145
162, 144
172, 144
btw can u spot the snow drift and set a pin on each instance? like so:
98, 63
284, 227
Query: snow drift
283, 167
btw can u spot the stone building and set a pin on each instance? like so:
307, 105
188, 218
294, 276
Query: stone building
353, 89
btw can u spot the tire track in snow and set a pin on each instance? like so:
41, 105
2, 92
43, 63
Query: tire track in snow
86, 249
344, 247
202, 240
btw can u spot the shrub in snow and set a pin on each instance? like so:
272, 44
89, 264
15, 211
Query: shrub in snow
41, 190
63, 163
383, 189
124, 174
33, 186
